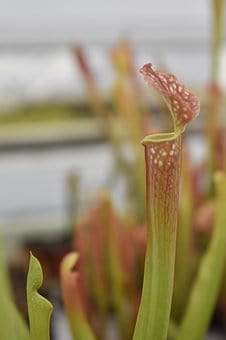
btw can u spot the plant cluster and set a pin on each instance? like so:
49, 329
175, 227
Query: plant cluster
180, 246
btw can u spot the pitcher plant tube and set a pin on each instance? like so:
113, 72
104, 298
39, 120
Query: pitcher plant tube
163, 167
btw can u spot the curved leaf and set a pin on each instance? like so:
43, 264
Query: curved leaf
12, 325
73, 302
183, 104
39, 309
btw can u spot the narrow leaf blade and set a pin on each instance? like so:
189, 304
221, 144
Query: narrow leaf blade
12, 325
39, 309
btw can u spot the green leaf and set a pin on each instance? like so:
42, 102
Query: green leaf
12, 325
39, 309
206, 287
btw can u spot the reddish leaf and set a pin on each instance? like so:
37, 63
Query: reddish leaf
183, 104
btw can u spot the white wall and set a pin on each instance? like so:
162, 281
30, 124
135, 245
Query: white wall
102, 20
175, 34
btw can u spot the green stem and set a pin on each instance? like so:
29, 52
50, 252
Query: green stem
206, 287
116, 277
163, 158
79, 326
217, 6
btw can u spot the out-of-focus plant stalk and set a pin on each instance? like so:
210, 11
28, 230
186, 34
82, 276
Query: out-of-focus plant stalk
107, 263
130, 111
126, 100
72, 297
125, 97
213, 107
217, 7
90, 237
93, 90
206, 287
214, 99
114, 269
163, 158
